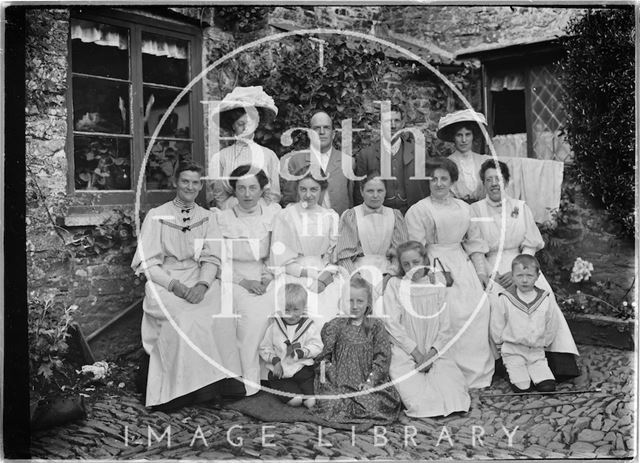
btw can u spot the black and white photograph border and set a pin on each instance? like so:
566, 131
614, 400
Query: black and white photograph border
546, 87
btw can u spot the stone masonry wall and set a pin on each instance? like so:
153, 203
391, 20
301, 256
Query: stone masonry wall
100, 285
457, 27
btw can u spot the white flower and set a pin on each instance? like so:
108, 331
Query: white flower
581, 270
98, 370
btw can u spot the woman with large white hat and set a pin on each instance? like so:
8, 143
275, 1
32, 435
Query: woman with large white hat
240, 113
461, 128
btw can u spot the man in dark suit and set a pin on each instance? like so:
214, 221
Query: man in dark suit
402, 193
339, 194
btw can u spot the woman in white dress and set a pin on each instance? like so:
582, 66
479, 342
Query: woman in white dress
240, 115
246, 230
461, 128
442, 223
370, 232
182, 293
304, 238
521, 236
424, 373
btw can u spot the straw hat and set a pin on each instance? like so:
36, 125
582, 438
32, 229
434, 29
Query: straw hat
448, 125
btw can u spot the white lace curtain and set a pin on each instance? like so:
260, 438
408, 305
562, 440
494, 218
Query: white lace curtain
507, 80
109, 36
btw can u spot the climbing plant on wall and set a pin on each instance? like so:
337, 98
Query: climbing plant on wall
598, 77
342, 79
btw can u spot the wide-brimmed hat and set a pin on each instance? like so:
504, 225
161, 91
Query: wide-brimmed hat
245, 97
448, 125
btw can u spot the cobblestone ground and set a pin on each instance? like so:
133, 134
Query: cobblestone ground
586, 425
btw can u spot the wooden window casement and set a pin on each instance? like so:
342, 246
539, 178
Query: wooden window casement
125, 70
524, 110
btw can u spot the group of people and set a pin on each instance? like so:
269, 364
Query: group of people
406, 299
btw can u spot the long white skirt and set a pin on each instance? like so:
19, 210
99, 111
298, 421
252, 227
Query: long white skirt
253, 318
471, 351
199, 350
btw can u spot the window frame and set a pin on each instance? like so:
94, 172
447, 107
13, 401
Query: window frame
136, 22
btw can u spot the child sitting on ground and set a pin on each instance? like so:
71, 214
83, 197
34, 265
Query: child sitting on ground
425, 374
289, 347
523, 323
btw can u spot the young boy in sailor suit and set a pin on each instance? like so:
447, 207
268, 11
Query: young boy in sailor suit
289, 346
523, 323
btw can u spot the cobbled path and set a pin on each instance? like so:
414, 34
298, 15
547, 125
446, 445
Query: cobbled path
587, 425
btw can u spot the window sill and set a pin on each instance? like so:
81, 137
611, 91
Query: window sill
85, 217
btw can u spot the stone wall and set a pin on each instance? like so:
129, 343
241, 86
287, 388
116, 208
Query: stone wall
456, 27
100, 285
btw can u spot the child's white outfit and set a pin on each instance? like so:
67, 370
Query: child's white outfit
524, 329
417, 317
282, 340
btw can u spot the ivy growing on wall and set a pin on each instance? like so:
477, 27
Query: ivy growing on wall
302, 83
240, 18
344, 78
598, 77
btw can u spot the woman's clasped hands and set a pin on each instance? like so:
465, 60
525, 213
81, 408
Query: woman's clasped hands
421, 359
255, 286
193, 295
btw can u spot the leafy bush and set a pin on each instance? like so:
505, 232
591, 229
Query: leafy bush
290, 72
352, 76
116, 233
598, 78
48, 330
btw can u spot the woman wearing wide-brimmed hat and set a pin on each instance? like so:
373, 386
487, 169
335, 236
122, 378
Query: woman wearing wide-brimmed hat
240, 113
461, 128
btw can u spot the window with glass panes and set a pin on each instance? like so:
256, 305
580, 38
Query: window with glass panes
124, 77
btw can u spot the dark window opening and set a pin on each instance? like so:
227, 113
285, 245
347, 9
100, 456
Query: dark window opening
509, 112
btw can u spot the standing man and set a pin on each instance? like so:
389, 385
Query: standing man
402, 193
339, 194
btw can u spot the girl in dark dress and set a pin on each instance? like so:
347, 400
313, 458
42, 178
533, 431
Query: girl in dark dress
355, 359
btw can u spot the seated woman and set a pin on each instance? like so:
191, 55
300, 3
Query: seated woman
462, 128
354, 360
424, 373
304, 237
181, 296
240, 113
246, 228
443, 224
370, 232
521, 236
